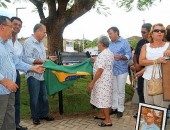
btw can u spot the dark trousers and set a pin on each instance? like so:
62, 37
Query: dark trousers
17, 100
38, 98
140, 89
7, 112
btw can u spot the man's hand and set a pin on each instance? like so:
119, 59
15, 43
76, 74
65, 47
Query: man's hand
53, 58
38, 69
39, 62
117, 57
10, 85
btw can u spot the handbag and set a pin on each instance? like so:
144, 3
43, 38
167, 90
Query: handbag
154, 86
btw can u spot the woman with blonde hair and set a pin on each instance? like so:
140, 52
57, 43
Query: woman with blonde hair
155, 51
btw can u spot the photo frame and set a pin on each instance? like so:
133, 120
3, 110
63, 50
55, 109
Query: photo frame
151, 116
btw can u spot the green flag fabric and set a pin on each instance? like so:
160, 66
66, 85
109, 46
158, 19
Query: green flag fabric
69, 75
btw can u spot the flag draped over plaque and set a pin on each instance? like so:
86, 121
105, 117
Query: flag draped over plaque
58, 77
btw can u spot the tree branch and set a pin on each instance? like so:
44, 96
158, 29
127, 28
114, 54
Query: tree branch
79, 8
39, 5
62, 5
51, 7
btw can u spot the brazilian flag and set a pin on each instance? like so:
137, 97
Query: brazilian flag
58, 77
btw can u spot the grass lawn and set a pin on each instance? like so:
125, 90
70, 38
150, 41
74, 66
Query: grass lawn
75, 99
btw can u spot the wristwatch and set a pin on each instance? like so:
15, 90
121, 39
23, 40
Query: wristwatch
121, 57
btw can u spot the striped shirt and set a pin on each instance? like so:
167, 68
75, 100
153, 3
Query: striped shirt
9, 62
121, 47
17, 47
33, 50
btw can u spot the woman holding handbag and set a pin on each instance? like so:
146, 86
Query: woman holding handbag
152, 56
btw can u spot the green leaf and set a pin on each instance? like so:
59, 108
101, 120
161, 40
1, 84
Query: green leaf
3, 4
8, 1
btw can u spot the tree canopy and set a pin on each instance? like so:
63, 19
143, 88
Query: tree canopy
4, 3
64, 12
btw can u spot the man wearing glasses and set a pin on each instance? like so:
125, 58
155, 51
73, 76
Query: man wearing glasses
9, 62
149, 123
146, 27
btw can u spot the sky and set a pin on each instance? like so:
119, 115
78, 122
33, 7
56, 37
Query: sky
92, 25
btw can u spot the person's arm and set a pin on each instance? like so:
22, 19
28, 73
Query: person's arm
95, 78
24, 67
38, 62
139, 73
144, 62
28, 51
10, 85
37, 68
127, 50
27, 54
93, 59
167, 52
138, 67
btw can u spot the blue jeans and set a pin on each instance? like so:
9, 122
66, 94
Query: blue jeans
38, 98
17, 100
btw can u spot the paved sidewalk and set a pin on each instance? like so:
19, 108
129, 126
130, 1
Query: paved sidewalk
127, 122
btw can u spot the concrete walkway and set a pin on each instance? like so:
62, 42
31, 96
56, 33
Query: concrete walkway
127, 122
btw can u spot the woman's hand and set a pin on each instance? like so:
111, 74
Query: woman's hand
93, 59
161, 60
167, 53
138, 74
90, 85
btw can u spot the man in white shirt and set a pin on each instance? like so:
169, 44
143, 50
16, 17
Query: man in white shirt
16, 27
9, 62
34, 53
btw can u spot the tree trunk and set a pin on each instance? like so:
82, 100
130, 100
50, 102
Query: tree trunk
54, 37
59, 18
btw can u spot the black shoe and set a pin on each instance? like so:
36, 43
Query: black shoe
100, 118
47, 118
18, 127
135, 116
113, 111
36, 121
119, 114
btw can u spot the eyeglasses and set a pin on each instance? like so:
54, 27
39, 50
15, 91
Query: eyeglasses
143, 32
149, 116
7, 25
158, 30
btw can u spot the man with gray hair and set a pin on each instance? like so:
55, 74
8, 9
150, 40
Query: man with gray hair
34, 53
9, 62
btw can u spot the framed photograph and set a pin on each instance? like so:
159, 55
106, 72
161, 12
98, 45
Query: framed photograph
151, 117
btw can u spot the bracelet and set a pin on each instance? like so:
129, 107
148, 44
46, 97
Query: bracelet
154, 61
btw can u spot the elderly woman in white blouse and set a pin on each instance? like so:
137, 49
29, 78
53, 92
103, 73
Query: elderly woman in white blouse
102, 83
